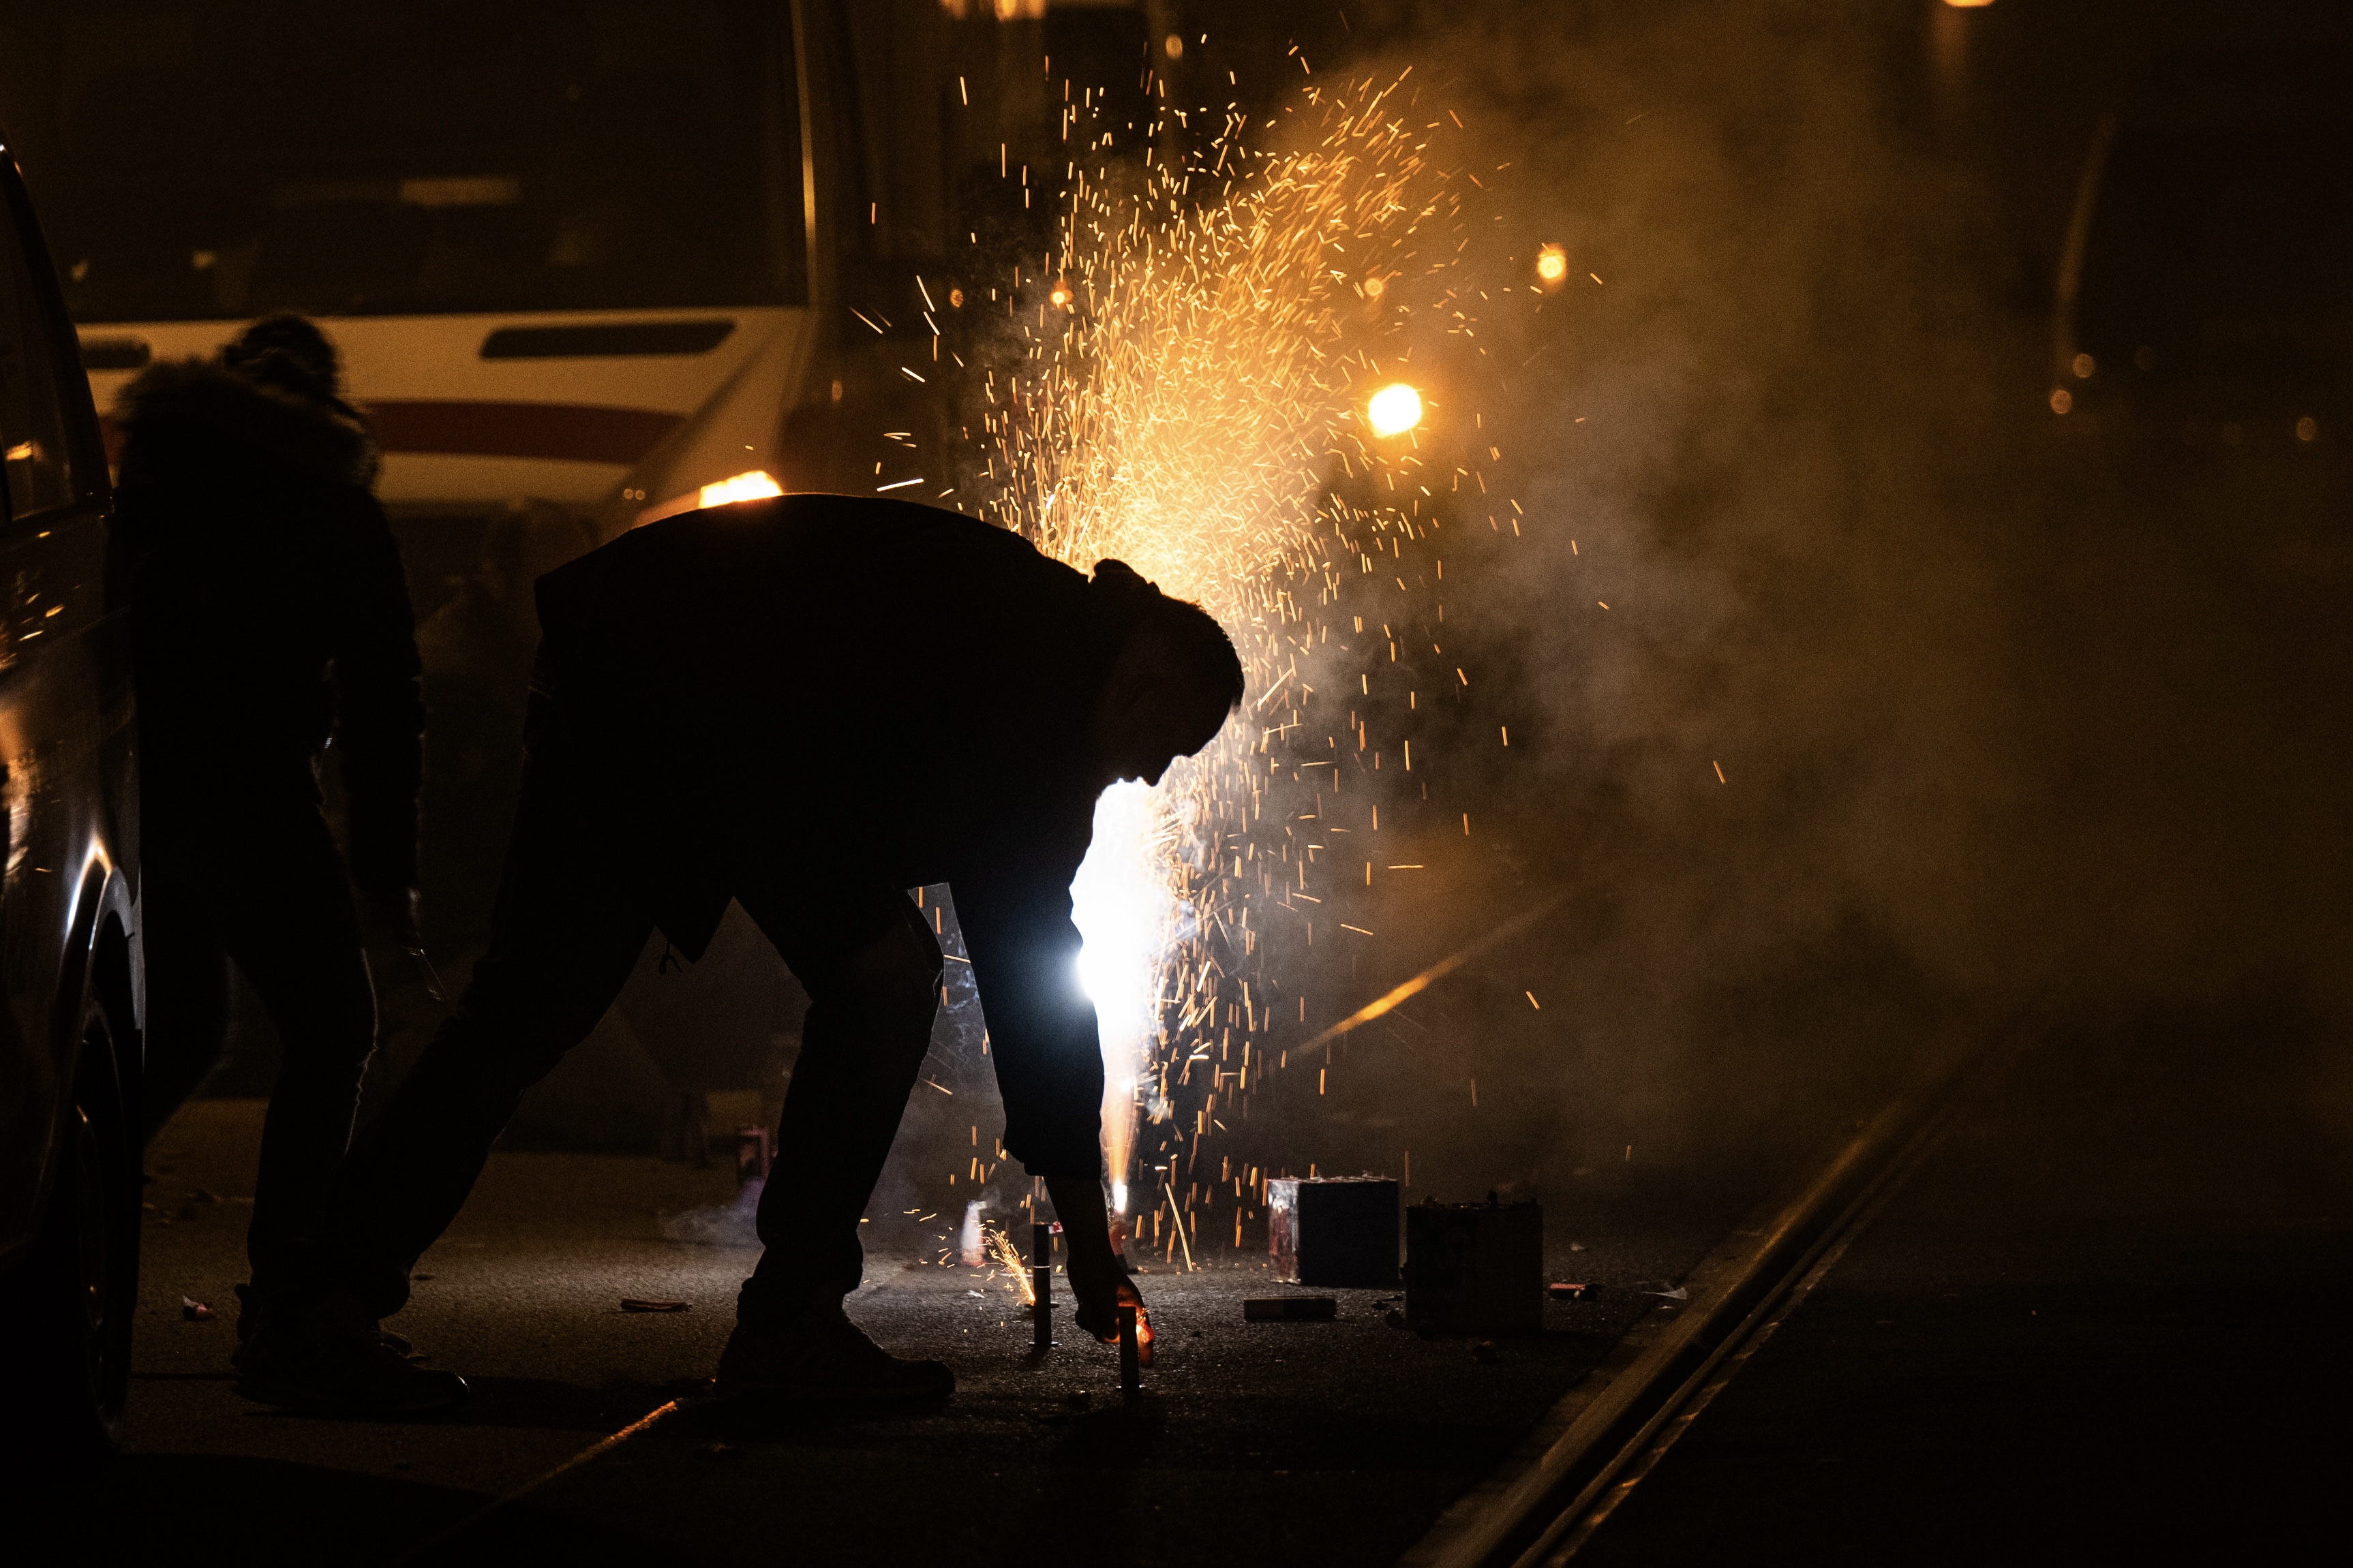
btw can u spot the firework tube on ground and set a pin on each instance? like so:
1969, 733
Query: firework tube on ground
1041, 1286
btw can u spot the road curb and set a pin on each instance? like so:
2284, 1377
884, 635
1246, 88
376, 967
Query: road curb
1514, 1519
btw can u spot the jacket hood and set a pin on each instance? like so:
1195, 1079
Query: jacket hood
324, 440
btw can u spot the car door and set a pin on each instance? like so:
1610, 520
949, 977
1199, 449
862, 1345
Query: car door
66, 734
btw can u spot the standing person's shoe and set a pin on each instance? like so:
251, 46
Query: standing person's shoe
825, 1356
314, 1361
249, 1316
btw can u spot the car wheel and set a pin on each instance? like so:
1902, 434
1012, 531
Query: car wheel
66, 1309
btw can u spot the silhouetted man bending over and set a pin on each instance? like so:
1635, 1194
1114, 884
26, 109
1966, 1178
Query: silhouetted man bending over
809, 704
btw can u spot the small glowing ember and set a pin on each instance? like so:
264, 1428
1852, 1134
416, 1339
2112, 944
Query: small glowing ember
1552, 266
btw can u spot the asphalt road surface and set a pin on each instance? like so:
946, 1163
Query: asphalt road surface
2102, 1323
1335, 1442
2106, 1324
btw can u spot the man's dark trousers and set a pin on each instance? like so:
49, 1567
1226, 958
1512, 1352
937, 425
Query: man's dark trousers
572, 917
257, 879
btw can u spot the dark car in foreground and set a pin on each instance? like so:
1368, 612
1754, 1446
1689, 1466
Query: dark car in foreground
70, 1042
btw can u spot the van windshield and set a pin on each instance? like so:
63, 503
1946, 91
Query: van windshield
221, 159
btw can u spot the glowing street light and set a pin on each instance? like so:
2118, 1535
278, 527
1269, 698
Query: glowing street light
1393, 410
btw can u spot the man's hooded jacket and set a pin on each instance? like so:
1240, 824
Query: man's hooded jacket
268, 612
876, 696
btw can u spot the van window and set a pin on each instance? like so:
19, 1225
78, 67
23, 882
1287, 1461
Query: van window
35, 467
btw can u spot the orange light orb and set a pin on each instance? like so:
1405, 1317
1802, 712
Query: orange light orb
1393, 410
1552, 266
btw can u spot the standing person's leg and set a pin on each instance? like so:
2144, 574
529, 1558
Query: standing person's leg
187, 977
287, 918
566, 931
871, 968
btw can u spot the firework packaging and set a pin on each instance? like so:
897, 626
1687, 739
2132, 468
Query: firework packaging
1474, 1268
1334, 1231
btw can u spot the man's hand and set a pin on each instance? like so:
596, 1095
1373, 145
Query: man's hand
1100, 1285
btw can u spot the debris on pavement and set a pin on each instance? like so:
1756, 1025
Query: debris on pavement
196, 1312
647, 1304
1562, 1290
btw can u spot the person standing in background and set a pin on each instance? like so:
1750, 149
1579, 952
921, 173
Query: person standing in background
271, 623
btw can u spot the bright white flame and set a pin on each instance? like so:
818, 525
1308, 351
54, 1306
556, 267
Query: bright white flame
754, 486
1124, 908
1394, 409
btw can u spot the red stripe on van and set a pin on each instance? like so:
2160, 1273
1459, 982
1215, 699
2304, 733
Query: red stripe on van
569, 432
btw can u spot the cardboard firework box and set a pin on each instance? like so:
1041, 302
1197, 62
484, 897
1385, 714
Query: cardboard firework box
1474, 1268
1333, 1230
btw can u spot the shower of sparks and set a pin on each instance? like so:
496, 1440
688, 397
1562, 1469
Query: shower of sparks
1195, 394
1009, 1262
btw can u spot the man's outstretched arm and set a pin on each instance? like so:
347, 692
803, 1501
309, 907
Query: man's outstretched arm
1042, 1038
1095, 1273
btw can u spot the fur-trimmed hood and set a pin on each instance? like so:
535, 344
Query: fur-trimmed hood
324, 441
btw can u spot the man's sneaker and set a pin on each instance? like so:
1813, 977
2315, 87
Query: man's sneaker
317, 1365
825, 1356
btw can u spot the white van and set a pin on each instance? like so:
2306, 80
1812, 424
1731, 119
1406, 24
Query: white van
596, 253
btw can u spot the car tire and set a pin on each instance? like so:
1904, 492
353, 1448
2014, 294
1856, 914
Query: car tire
66, 1309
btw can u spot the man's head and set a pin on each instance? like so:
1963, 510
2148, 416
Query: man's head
289, 353
1175, 678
